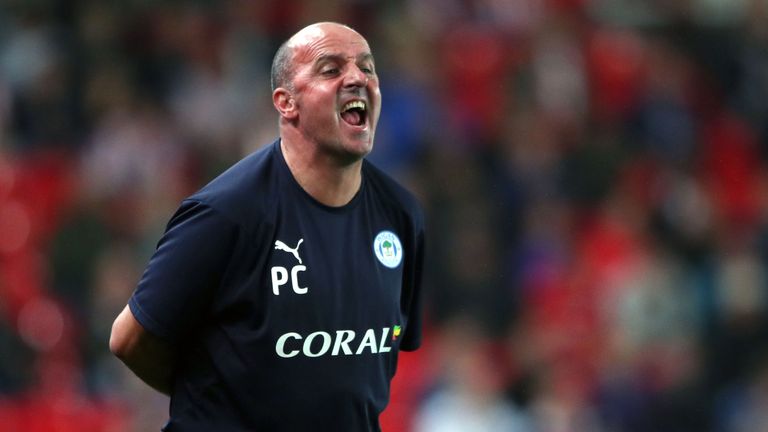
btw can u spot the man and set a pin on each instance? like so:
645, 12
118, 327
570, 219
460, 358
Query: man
281, 292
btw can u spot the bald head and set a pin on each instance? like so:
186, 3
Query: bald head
282, 63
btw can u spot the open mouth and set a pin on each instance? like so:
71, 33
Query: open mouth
354, 113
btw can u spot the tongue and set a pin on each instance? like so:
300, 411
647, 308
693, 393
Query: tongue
352, 117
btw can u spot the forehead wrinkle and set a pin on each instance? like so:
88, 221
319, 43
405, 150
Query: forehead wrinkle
318, 41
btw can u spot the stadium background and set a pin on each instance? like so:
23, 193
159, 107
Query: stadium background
593, 171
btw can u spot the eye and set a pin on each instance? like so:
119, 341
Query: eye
330, 71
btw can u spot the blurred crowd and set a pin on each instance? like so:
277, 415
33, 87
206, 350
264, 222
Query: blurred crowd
594, 174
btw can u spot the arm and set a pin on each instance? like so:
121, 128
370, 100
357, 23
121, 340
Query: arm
174, 292
149, 357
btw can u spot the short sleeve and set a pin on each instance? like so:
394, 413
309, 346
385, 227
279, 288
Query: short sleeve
187, 267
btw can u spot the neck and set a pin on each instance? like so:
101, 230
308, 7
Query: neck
321, 175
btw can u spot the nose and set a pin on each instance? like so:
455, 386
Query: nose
355, 77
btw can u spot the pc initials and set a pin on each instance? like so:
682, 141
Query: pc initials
280, 278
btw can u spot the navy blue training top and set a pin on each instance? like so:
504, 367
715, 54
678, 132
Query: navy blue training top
288, 314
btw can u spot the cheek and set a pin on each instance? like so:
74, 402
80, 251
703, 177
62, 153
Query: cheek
375, 95
318, 105
377, 104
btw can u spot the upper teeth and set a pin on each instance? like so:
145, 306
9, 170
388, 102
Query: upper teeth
354, 104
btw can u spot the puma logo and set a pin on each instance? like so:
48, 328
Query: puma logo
284, 247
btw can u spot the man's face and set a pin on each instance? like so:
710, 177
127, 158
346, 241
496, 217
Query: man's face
336, 90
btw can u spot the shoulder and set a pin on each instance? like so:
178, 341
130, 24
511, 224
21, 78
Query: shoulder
244, 188
392, 193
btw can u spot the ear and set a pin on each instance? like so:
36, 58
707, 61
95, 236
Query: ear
283, 101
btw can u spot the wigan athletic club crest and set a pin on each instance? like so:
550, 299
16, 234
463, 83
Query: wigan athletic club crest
388, 249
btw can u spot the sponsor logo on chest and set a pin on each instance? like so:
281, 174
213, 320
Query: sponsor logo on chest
340, 342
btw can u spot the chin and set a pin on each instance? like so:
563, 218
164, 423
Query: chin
360, 147
365, 149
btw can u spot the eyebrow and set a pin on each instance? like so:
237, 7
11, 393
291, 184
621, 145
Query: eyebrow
338, 57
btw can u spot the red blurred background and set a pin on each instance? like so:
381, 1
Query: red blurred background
593, 171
